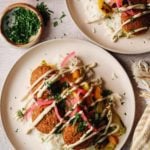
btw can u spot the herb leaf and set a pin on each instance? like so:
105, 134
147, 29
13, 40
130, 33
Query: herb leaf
20, 114
59, 20
81, 126
55, 23
106, 92
45, 12
62, 16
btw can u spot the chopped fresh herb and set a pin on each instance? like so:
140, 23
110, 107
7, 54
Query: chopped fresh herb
62, 16
45, 12
77, 118
24, 24
57, 130
59, 20
57, 97
55, 23
20, 114
106, 92
43, 62
81, 126
56, 88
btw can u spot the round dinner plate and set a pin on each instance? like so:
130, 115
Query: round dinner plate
18, 79
98, 34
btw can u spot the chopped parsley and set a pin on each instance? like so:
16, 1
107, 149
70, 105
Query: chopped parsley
55, 23
20, 25
62, 16
81, 126
59, 20
45, 12
20, 114
57, 130
56, 88
106, 92
77, 118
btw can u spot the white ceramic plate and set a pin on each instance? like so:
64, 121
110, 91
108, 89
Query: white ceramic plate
135, 45
19, 76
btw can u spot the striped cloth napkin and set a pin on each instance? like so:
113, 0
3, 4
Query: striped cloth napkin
141, 137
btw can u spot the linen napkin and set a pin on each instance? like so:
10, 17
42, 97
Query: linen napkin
141, 137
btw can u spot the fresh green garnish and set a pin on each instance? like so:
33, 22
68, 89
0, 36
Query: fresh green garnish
43, 62
62, 16
106, 92
81, 126
20, 114
59, 20
45, 12
56, 88
77, 118
20, 24
55, 23
58, 131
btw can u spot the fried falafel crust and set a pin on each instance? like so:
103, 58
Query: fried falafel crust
135, 23
71, 135
36, 74
48, 122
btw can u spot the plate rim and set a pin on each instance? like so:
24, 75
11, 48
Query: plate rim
98, 44
4, 132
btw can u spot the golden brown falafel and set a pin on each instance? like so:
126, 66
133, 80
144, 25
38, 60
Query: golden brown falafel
38, 72
48, 122
134, 23
71, 134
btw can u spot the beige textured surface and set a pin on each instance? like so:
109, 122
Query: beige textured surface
9, 55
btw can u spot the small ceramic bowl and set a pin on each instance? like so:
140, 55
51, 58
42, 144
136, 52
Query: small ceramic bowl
34, 39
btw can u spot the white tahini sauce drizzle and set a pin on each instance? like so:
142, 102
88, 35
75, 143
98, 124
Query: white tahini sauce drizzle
136, 6
36, 82
40, 117
83, 140
43, 87
128, 21
137, 30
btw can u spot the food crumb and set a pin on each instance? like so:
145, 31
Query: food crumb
94, 30
114, 76
16, 130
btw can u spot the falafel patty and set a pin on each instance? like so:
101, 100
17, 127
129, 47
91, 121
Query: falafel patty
36, 74
48, 122
136, 23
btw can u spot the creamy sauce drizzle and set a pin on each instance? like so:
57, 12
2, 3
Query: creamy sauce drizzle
40, 117
36, 82
43, 87
83, 140
115, 37
136, 6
